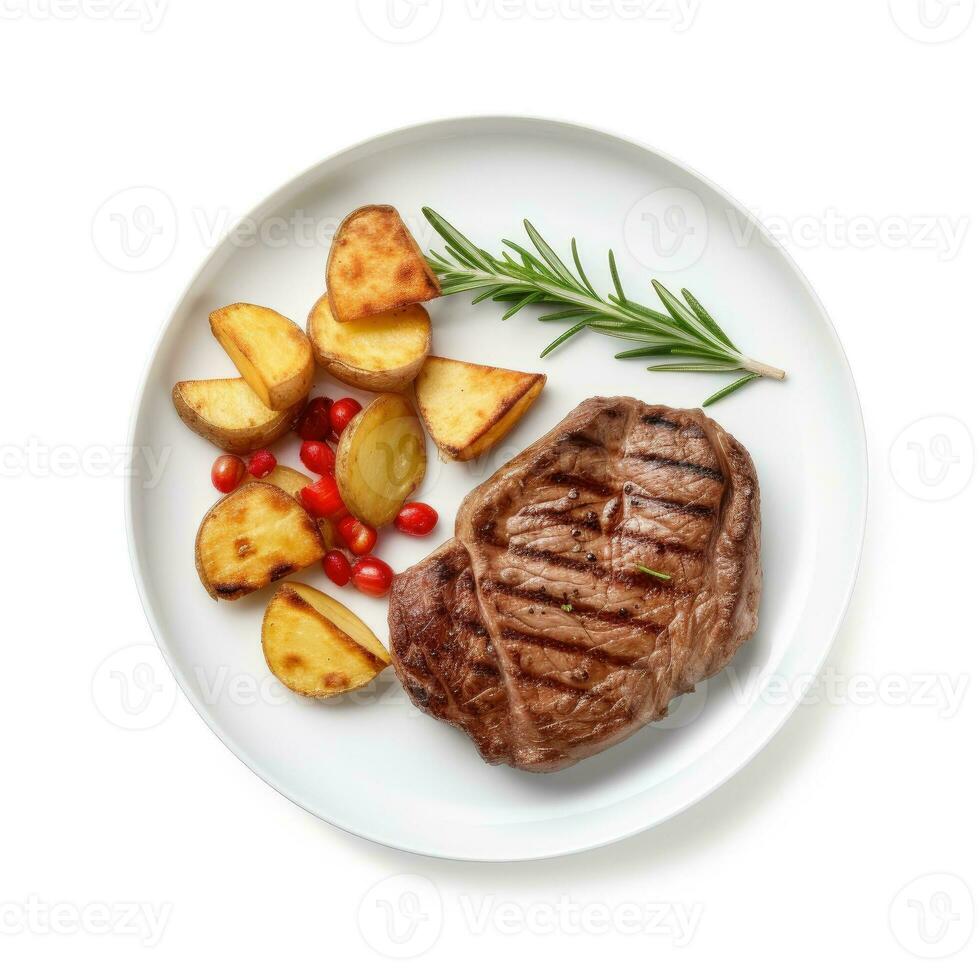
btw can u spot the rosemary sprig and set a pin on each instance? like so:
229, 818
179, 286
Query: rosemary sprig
521, 278
663, 576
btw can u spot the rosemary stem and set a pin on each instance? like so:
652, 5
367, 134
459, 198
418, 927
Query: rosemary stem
757, 367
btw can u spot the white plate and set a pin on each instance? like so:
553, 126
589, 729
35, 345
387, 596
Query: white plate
372, 764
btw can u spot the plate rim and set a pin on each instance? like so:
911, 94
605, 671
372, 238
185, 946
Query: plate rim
784, 712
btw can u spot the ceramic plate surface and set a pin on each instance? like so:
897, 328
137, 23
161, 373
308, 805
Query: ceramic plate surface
370, 762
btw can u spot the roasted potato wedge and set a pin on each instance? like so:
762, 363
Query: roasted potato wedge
256, 535
380, 459
292, 481
377, 353
375, 265
316, 646
271, 353
230, 415
468, 408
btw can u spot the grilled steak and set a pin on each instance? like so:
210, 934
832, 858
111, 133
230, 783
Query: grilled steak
534, 629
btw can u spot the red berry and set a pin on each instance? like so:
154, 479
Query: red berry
372, 576
261, 464
416, 519
322, 499
314, 423
317, 457
359, 538
227, 472
341, 412
337, 567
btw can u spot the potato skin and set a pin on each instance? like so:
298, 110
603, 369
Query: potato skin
374, 484
335, 346
240, 441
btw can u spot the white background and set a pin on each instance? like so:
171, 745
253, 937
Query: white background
147, 852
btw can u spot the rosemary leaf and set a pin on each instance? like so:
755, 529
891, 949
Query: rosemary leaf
685, 330
729, 389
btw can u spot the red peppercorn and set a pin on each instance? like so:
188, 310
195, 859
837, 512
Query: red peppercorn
417, 519
227, 472
314, 422
337, 567
261, 464
360, 538
372, 576
317, 457
322, 499
341, 412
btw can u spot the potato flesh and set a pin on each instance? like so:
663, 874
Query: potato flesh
309, 652
343, 619
292, 481
271, 353
228, 413
468, 408
381, 459
383, 352
375, 265
256, 535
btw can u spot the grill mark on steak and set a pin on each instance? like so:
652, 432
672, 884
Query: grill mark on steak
561, 518
563, 646
580, 439
660, 547
579, 482
680, 506
542, 598
477, 638
660, 420
558, 561
657, 460
477, 629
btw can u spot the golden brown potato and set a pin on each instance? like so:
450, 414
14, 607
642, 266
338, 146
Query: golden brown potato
271, 353
230, 415
256, 535
316, 646
377, 353
468, 408
380, 459
375, 265
292, 481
